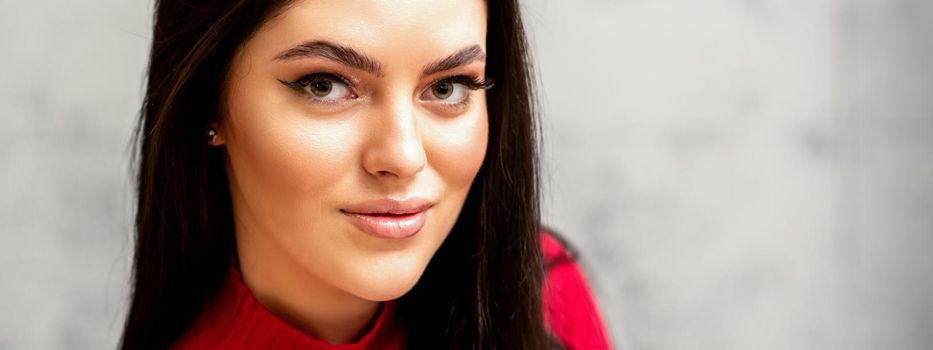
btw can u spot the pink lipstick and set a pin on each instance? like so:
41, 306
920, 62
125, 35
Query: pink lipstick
389, 218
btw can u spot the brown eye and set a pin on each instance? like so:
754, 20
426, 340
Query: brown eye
321, 87
442, 90
326, 88
447, 91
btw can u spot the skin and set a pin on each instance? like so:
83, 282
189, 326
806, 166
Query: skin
294, 161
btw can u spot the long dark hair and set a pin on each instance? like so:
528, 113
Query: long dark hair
482, 289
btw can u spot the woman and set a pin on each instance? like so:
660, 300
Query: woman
345, 172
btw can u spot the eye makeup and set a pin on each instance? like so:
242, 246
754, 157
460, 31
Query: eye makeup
463, 84
313, 85
317, 87
470, 82
304, 81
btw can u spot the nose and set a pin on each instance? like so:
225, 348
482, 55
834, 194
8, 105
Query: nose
395, 148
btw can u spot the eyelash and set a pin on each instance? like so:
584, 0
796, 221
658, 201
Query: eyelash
301, 83
470, 82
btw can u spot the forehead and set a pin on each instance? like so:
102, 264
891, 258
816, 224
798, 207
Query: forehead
391, 30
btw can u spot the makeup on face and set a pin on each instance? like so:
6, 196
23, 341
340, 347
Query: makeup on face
389, 218
351, 146
333, 88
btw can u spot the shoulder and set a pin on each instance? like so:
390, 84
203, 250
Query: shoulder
555, 249
570, 308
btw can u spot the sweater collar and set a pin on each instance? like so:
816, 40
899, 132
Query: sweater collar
235, 319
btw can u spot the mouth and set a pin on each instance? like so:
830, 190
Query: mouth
389, 218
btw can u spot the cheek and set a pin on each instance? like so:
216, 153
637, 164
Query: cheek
457, 148
282, 162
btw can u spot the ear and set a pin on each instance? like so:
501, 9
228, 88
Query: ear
215, 135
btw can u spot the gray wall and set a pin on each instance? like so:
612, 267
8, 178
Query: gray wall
736, 174
70, 84
745, 174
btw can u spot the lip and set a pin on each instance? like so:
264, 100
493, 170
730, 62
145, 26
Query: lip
389, 218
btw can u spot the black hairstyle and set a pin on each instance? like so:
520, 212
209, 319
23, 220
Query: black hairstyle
481, 290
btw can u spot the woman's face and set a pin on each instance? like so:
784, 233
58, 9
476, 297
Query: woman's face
353, 131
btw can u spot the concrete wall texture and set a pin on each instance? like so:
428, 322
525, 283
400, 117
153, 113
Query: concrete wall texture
742, 174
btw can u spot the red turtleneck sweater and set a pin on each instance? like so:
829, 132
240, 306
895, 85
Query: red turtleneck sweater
235, 320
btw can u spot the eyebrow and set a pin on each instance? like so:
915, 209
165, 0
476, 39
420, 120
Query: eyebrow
334, 52
350, 57
464, 56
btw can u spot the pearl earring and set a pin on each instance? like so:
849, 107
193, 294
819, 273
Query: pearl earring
211, 135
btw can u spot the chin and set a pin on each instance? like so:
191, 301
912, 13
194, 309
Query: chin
384, 294
387, 282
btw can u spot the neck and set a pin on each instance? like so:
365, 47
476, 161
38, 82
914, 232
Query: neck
301, 299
